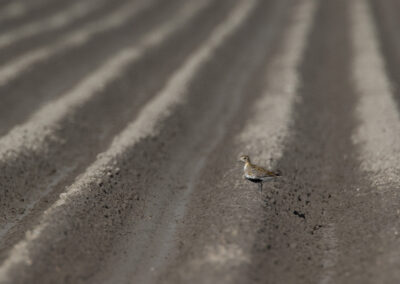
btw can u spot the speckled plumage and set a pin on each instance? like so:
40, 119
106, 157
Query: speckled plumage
256, 173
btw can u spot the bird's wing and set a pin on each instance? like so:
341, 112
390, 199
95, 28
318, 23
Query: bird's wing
261, 172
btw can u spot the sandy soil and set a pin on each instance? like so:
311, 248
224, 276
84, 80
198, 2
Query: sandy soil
121, 124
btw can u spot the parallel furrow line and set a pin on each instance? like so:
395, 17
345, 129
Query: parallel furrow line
75, 38
17, 9
151, 115
44, 123
378, 137
52, 22
269, 124
378, 134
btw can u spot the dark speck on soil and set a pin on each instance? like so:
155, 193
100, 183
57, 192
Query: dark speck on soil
301, 215
316, 228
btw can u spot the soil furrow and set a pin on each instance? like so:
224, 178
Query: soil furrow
32, 12
44, 31
65, 153
225, 212
388, 23
120, 134
123, 185
130, 93
299, 240
155, 242
49, 79
377, 139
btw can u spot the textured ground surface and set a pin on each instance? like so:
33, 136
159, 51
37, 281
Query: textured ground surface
121, 123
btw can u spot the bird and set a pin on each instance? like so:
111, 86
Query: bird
256, 173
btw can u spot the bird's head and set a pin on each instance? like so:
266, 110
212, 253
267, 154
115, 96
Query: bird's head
244, 159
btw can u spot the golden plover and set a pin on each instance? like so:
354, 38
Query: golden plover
255, 173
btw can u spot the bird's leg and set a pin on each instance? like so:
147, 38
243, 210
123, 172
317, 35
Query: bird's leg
261, 186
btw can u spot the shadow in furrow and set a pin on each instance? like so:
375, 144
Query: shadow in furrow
52, 77
387, 26
12, 49
206, 214
92, 127
35, 12
152, 174
307, 215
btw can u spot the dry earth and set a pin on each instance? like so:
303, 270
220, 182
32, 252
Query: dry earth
121, 123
